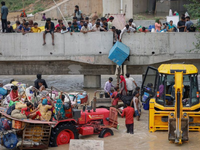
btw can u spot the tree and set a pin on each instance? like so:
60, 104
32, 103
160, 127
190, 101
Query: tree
193, 8
194, 11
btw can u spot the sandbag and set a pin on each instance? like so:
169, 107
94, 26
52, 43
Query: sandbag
20, 105
17, 114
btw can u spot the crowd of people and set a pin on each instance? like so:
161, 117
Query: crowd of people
127, 88
85, 25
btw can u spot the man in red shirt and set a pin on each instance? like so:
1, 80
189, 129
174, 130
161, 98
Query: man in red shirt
128, 112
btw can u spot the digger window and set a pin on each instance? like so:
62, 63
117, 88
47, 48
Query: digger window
194, 90
166, 91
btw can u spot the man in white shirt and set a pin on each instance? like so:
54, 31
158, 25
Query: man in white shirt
127, 29
97, 27
130, 84
85, 28
88, 23
132, 24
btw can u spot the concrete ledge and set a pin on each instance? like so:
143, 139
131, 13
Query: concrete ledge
25, 54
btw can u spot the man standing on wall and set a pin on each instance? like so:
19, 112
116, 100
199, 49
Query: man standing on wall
4, 14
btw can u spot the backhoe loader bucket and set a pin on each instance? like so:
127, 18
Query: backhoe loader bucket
184, 129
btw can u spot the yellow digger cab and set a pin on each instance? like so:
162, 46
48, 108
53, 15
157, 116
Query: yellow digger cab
173, 99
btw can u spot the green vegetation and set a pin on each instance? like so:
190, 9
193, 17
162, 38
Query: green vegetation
15, 5
193, 8
30, 5
194, 11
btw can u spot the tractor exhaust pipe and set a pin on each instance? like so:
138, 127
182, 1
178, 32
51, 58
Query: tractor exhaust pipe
94, 102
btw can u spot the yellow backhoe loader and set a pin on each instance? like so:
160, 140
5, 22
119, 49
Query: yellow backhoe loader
173, 96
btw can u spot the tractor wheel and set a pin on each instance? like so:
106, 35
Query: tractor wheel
105, 133
62, 134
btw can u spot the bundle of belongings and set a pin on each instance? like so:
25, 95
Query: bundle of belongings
29, 103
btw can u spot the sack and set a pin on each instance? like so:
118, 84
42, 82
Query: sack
10, 140
3, 91
127, 99
192, 29
10, 109
20, 105
17, 114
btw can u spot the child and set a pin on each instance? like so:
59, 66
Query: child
42, 87
64, 30
115, 97
44, 17
32, 115
9, 28
111, 91
35, 28
128, 112
137, 106
26, 28
69, 26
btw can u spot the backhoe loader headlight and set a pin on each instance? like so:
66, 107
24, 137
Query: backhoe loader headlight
185, 114
172, 114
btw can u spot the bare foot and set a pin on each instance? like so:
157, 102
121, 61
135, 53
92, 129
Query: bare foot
53, 44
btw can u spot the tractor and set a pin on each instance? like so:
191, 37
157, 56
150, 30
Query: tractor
84, 122
42, 134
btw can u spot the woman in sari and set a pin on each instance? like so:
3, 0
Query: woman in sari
123, 88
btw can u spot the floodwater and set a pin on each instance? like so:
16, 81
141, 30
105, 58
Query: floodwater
141, 139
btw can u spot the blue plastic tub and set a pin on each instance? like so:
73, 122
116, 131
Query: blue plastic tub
119, 53
146, 105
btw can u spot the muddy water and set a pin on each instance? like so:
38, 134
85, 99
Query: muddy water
141, 139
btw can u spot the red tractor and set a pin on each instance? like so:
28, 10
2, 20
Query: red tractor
60, 131
84, 122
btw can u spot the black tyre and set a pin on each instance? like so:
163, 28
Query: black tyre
105, 133
62, 134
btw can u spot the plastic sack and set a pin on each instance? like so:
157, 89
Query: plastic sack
10, 140
3, 91
6, 124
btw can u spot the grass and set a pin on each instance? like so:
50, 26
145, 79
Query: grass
37, 5
15, 5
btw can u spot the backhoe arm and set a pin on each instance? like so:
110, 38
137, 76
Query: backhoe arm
178, 105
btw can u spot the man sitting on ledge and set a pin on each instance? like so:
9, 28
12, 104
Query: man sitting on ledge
49, 28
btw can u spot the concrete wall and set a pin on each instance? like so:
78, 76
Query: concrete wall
152, 48
130, 7
176, 5
67, 7
88, 53
77, 47
140, 6
111, 6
